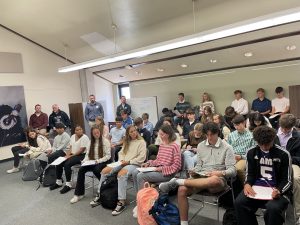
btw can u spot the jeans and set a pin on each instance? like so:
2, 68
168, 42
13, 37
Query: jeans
122, 180
55, 155
16, 150
152, 177
190, 159
74, 160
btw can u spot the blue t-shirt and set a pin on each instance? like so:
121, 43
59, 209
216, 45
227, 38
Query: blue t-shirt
261, 106
267, 174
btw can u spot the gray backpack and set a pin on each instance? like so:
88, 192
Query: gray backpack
32, 171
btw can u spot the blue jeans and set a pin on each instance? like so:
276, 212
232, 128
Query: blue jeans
190, 159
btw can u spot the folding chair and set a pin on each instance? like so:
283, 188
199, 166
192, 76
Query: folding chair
91, 175
217, 197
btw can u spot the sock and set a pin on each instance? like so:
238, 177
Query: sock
180, 182
59, 182
184, 223
69, 184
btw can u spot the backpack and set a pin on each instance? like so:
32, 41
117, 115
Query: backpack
109, 192
164, 212
145, 199
32, 171
49, 176
229, 217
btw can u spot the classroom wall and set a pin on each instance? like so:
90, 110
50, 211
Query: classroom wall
220, 85
42, 83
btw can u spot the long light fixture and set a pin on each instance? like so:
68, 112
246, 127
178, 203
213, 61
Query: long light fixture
275, 19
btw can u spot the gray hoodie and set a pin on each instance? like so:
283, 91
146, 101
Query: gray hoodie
215, 157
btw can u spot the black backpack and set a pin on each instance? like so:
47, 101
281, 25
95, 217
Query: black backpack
229, 217
32, 171
109, 192
49, 176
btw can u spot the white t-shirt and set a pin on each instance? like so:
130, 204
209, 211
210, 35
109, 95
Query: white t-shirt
280, 104
82, 142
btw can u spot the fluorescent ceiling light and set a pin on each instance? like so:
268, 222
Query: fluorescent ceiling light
258, 23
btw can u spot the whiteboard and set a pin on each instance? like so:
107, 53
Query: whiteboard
144, 105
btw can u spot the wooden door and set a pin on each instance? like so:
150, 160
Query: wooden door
76, 116
294, 95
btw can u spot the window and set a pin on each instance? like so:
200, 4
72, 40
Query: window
124, 90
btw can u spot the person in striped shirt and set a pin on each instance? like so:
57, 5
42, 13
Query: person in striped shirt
241, 140
167, 163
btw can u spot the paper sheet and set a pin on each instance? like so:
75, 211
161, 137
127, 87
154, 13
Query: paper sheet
20, 154
146, 169
273, 116
88, 163
262, 193
115, 164
58, 161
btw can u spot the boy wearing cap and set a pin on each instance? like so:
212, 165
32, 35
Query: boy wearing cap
241, 140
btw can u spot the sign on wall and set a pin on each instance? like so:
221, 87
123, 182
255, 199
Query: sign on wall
13, 118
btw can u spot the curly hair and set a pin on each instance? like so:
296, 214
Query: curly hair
210, 126
264, 135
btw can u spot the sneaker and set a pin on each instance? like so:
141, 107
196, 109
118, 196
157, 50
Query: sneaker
54, 186
76, 199
13, 170
65, 189
168, 186
134, 212
120, 208
95, 202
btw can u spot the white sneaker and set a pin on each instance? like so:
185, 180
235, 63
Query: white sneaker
134, 212
13, 170
76, 199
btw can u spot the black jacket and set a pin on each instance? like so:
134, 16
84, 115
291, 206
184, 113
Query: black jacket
187, 128
59, 117
120, 108
282, 168
146, 135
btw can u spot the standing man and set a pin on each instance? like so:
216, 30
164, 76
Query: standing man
261, 104
268, 165
123, 106
58, 116
92, 110
39, 120
180, 108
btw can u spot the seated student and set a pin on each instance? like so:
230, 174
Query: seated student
206, 101
79, 143
241, 140
145, 134
280, 106
256, 119
190, 154
223, 126
132, 155
240, 105
188, 125
39, 120
267, 165
60, 143
289, 138
166, 113
99, 151
127, 120
36, 145
147, 124
181, 107
215, 164
261, 105
116, 136
153, 149
103, 128
167, 163
207, 115
229, 115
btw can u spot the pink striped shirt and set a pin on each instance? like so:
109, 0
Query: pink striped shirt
169, 158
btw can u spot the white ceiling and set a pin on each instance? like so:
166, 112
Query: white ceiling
60, 26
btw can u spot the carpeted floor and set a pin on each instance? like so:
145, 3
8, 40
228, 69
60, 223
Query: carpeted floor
21, 204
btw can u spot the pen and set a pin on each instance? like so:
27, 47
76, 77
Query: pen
264, 179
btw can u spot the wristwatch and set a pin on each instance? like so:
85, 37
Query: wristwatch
223, 173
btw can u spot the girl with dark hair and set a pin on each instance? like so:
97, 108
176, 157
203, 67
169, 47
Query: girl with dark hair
79, 144
230, 113
167, 163
96, 158
131, 156
36, 145
256, 119
224, 127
